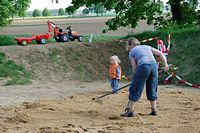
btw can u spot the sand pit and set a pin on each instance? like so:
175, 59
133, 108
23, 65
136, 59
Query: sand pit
179, 112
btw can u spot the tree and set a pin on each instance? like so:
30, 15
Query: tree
70, 10
86, 11
99, 9
46, 12
128, 12
9, 8
24, 14
162, 6
36, 13
61, 12
178, 7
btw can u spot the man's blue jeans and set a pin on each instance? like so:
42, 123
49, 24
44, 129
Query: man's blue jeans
145, 73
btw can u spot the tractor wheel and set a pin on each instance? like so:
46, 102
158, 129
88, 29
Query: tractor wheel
19, 43
64, 38
43, 41
24, 43
80, 38
72, 39
57, 38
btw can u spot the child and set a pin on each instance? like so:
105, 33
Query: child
114, 73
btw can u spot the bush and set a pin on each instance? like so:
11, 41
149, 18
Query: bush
7, 40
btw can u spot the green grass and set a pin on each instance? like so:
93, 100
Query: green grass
7, 40
101, 38
16, 73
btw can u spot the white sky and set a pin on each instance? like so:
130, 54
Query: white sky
41, 4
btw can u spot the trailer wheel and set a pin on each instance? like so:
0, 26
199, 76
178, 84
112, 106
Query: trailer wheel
43, 41
38, 42
57, 38
64, 38
80, 38
24, 43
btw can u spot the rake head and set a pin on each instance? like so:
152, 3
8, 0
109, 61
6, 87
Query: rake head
98, 100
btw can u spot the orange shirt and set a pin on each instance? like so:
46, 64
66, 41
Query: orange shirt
113, 71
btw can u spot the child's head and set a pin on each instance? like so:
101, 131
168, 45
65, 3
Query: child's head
114, 59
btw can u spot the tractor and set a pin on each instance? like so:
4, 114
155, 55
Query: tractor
61, 36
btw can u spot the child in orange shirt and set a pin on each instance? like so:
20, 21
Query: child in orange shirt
114, 73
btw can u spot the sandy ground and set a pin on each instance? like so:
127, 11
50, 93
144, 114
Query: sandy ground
84, 26
179, 110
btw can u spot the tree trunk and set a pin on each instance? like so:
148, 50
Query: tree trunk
176, 11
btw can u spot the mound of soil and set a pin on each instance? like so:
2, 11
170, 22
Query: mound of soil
67, 61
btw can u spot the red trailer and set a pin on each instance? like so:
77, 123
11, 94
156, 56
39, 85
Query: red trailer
40, 39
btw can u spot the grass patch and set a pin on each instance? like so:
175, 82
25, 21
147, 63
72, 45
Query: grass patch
101, 38
17, 73
7, 40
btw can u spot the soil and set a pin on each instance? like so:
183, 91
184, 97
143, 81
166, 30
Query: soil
55, 112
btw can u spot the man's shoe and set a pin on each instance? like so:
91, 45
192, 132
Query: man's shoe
127, 113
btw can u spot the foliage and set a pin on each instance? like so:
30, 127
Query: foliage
86, 11
46, 12
61, 12
198, 17
70, 11
17, 73
36, 13
9, 8
188, 17
6, 40
98, 9
183, 11
128, 13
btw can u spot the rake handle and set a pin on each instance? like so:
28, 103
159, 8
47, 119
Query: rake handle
114, 91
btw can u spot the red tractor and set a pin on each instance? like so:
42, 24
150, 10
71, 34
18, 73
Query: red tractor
40, 39
61, 36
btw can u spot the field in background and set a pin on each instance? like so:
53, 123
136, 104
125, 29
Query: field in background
85, 26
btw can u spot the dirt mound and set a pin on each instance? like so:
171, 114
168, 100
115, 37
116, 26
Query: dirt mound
65, 61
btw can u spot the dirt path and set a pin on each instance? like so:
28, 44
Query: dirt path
179, 110
15, 95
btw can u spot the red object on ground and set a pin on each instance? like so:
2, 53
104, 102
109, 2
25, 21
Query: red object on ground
40, 39
61, 36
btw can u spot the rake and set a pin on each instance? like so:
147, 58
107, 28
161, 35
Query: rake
98, 98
